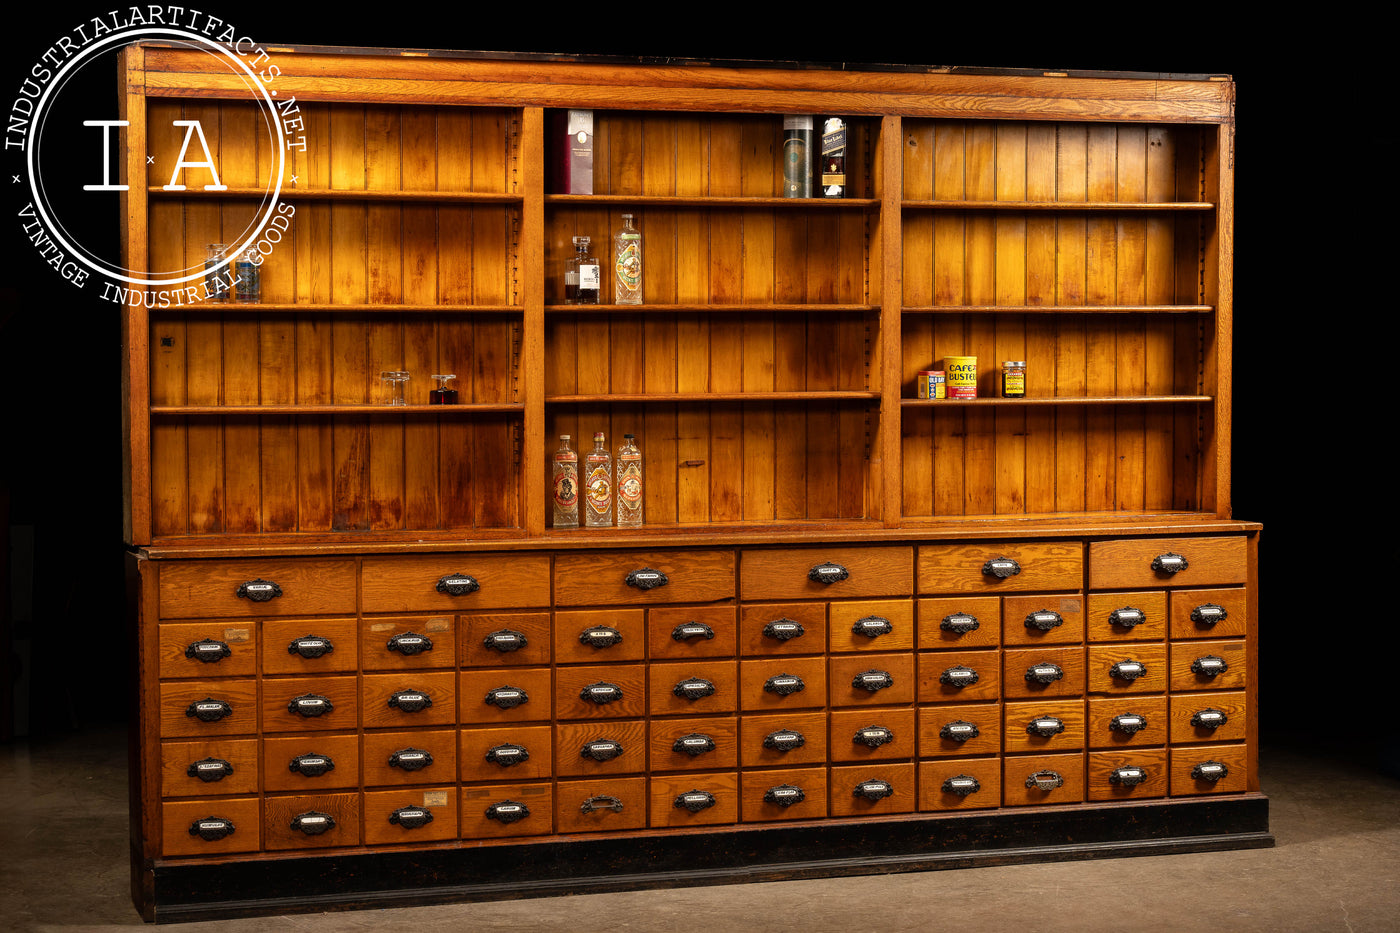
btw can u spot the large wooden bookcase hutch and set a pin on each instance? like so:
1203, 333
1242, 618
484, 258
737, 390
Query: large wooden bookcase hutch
1027, 627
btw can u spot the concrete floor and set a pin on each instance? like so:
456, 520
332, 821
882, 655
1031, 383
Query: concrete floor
63, 867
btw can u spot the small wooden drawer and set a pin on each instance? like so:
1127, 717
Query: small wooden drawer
782, 683
311, 764
789, 794
1043, 726
600, 805
781, 629
1031, 673
205, 708
406, 699
600, 636
1220, 613
306, 821
413, 643
959, 676
588, 749
218, 766
703, 799
678, 632
1033, 780
1209, 769
512, 695
393, 759
960, 730
826, 573
410, 816
876, 789
454, 582
605, 691
309, 704
1140, 616
208, 649
1128, 774
504, 810
872, 735
959, 784
1209, 717
1043, 620
614, 578
1001, 567
872, 625
783, 740
694, 688
518, 753
500, 639
210, 827
1208, 665
257, 588
699, 744
960, 622
1128, 563
321, 647
1122, 722
1126, 669
873, 680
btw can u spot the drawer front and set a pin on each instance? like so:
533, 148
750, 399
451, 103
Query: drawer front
311, 822
1121, 722
876, 789
784, 740
494, 696
411, 757
1218, 613
1209, 769
601, 578
1128, 774
1030, 673
319, 647
701, 744
599, 636
1043, 620
1001, 567
507, 753
410, 816
440, 583
787, 794
1040, 780
529, 808
694, 688
960, 622
413, 643
678, 632
874, 735
1126, 669
873, 680
960, 730
959, 676
872, 625
705, 799
600, 692
311, 764
959, 784
199, 709
1128, 563
208, 649
587, 749
1044, 726
405, 699
199, 769
1208, 717
210, 589
211, 827
781, 629
500, 639
310, 704
806, 573
782, 683
597, 806
1208, 665
1138, 616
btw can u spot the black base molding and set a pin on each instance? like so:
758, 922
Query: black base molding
183, 891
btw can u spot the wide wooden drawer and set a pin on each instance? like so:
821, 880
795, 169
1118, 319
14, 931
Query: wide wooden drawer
603, 691
210, 827
600, 805
1128, 774
1129, 562
782, 683
872, 735
795, 794
700, 744
405, 699
599, 636
1034, 780
505, 810
310, 704
1043, 620
610, 578
311, 764
1044, 726
219, 766
410, 757
959, 784
1032, 673
500, 695
872, 625
873, 680
959, 676
410, 816
1001, 567
1220, 613
782, 629
587, 749
1209, 769
1119, 722
960, 622
1209, 717
304, 821
309, 647
702, 799
960, 730
693, 688
826, 573
515, 753
463, 582
406, 643
208, 649
787, 739
504, 638
1208, 665
1140, 616
208, 708
876, 789
1133, 668
691, 632
255, 587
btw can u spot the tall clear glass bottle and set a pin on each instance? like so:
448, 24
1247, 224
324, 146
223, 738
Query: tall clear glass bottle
627, 263
629, 483
565, 485
583, 277
598, 485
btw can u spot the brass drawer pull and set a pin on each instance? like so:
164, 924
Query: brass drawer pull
600, 636
1209, 666
783, 630
411, 817
601, 802
208, 650
1045, 726
309, 705
873, 790
457, 584
212, 828
873, 680
693, 744
959, 677
1001, 568
507, 754
959, 623
505, 640
409, 644
959, 730
600, 693
506, 697
310, 646
1044, 673
1169, 563
784, 740
601, 750
507, 812
1127, 776
311, 765
962, 785
1208, 614
1128, 670
1128, 723
694, 800
872, 627
410, 759
1046, 780
689, 630
1044, 620
784, 795
1127, 617
1210, 771
784, 684
209, 709
645, 578
873, 736
209, 769
259, 590
695, 688
828, 573
1209, 718
313, 822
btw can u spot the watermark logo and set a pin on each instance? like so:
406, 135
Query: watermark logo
67, 150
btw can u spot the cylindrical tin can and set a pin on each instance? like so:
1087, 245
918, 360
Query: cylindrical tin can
1013, 379
962, 376
931, 383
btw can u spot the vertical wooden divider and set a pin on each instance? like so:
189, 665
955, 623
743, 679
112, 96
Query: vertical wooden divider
529, 183
886, 465
136, 328
1219, 349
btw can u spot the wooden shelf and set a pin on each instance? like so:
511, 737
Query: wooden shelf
334, 194
651, 200
220, 410
217, 307
1060, 206
1058, 400
761, 308
1059, 309
704, 397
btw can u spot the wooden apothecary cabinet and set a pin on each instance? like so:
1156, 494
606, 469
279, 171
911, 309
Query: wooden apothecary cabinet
360, 641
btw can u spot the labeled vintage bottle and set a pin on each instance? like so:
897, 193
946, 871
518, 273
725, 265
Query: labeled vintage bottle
834, 158
249, 285
627, 263
797, 156
565, 485
598, 485
629, 483
216, 279
583, 278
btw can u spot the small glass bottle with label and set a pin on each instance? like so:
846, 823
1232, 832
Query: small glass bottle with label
215, 278
583, 278
443, 394
629, 483
598, 485
565, 485
249, 285
627, 263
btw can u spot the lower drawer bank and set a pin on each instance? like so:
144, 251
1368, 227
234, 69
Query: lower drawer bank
686, 716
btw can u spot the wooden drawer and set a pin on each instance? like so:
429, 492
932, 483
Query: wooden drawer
721, 731
510, 695
587, 749
672, 683
1146, 716
1022, 667
766, 684
876, 789
787, 573
1140, 616
1186, 780
941, 624
964, 568
505, 763
599, 636
209, 589
959, 784
406, 699
311, 764
782, 629
411, 643
409, 584
1043, 620
1229, 726
940, 679
306, 647
500, 639
1021, 716
861, 625
219, 766
691, 632
1029, 780
310, 704
600, 578
1127, 669
788, 794
960, 730
397, 817
1195, 666
1127, 563
210, 827
208, 649
410, 757
188, 708
606, 691
1219, 613
872, 735
529, 807
873, 680
600, 805
309, 821
703, 799
1145, 774
758, 750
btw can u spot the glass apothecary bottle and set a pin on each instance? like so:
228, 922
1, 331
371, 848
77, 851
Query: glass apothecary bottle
443, 393
565, 485
627, 263
248, 287
598, 485
215, 278
583, 277
629, 483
